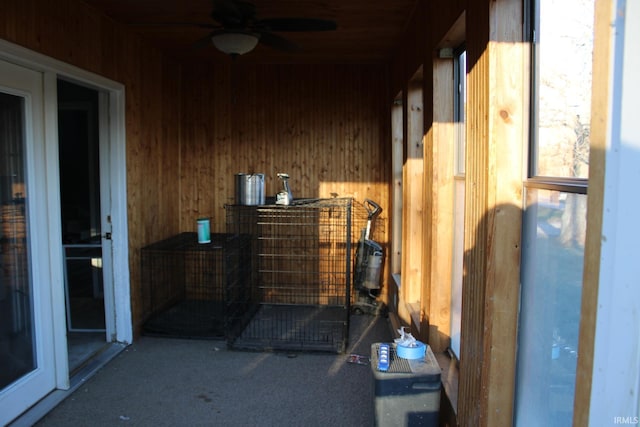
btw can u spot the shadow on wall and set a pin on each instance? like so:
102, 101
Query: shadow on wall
548, 272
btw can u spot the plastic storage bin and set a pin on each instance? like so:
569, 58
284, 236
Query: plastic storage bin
408, 393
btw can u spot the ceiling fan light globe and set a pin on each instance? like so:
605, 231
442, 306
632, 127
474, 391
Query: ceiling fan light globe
235, 43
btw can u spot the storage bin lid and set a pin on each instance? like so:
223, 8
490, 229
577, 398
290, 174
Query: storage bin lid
425, 369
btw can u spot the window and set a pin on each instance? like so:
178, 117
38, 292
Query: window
397, 160
460, 102
555, 212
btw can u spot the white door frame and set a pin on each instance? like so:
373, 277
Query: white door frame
105, 155
115, 92
615, 381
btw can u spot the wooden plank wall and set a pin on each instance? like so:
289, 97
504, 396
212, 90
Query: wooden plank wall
495, 140
71, 31
477, 223
496, 166
325, 125
188, 132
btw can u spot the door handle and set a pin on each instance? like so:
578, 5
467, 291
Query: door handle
107, 236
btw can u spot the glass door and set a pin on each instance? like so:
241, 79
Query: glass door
27, 358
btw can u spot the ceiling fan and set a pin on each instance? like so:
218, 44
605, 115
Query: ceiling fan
238, 30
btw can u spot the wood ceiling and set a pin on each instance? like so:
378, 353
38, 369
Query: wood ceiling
368, 30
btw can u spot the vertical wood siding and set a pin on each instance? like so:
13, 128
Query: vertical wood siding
495, 140
477, 221
191, 127
71, 31
324, 125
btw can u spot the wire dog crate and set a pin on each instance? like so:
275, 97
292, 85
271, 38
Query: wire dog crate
195, 290
302, 259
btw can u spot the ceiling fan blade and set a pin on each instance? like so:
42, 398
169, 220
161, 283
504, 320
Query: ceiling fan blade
276, 42
296, 24
233, 13
175, 24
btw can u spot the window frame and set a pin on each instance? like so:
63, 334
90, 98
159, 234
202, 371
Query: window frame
533, 180
459, 109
